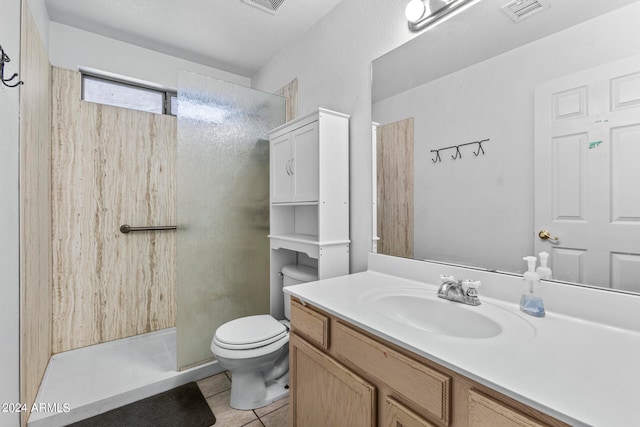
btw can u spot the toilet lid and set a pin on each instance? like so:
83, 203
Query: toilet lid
250, 332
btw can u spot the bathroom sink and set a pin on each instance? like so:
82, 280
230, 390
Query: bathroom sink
421, 309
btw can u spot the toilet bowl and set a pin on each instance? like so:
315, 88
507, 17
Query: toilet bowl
256, 350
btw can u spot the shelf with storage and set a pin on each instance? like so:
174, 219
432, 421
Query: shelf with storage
309, 197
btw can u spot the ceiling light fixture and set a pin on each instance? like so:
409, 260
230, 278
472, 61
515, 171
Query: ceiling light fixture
420, 16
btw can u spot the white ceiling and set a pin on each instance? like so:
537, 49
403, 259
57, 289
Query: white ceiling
226, 34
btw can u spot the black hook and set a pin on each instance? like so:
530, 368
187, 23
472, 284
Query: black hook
480, 147
3, 59
458, 153
437, 159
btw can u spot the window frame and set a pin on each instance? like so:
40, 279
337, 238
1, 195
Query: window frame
166, 94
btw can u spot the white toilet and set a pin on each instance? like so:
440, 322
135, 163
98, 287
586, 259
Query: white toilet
256, 350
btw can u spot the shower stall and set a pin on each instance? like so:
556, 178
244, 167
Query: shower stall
223, 207
134, 313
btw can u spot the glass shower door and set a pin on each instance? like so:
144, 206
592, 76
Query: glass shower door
223, 207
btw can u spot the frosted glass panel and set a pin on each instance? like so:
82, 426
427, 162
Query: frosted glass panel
108, 92
223, 207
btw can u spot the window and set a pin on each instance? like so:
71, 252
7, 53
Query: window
128, 95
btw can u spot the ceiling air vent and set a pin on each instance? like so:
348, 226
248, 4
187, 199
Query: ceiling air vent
519, 10
270, 6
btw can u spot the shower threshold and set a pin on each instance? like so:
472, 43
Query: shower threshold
88, 381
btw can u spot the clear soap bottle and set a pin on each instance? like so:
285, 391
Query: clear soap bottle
530, 302
543, 270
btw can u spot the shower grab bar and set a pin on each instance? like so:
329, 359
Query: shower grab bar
127, 228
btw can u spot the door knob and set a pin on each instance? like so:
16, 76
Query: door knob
545, 235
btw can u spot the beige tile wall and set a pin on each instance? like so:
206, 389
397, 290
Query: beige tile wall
35, 212
110, 166
290, 93
395, 188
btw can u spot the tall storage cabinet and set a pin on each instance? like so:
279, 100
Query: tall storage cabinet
309, 197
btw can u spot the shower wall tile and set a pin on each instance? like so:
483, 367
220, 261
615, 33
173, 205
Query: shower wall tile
110, 166
35, 211
395, 188
290, 94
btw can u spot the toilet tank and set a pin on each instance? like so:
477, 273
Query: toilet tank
292, 275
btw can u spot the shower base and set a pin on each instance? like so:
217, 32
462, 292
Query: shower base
81, 383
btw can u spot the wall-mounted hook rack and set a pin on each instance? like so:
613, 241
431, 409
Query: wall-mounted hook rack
458, 153
4, 58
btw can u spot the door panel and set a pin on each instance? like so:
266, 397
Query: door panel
625, 153
325, 393
569, 263
569, 170
280, 172
586, 155
625, 271
305, 164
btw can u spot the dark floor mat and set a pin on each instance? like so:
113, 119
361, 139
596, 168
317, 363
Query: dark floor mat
182, 406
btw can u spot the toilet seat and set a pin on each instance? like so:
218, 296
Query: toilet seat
251, 332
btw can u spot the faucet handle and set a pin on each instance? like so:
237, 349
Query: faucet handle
446, 278
472, 287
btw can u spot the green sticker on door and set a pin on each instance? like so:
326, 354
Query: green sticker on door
594, 144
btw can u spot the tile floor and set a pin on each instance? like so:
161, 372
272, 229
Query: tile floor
216, 390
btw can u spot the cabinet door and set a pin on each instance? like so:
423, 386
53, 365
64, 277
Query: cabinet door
418, 384
486, 412
281, 160
325, 393
305, 163
398, 415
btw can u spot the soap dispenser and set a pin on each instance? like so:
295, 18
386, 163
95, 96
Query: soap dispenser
543, 270
530, 302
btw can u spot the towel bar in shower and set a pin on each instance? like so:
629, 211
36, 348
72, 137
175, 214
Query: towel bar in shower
127, 228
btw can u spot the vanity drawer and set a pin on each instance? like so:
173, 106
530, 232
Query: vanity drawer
310, 324
396, 414
418, 384
486, 412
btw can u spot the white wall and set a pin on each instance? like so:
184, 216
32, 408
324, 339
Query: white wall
9, 215
486, 204
41, 18
72, 48
332, 62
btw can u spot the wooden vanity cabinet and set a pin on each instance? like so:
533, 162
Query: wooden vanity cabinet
325, 392
341, 375
487, 412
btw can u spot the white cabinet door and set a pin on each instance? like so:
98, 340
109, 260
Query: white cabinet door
305, 163
280, 169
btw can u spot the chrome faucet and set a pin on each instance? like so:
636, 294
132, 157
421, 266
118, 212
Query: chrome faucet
453, 290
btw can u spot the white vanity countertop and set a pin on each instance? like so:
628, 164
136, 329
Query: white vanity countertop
580, 371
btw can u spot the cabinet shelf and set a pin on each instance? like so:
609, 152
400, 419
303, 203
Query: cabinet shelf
305, 243
309, 197
295, 237
295, 203
306, 239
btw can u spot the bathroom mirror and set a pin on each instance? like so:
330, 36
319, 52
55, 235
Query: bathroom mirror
442, 196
